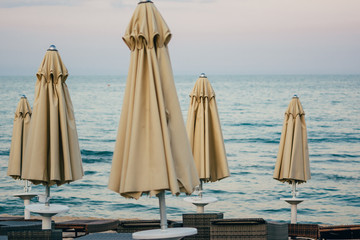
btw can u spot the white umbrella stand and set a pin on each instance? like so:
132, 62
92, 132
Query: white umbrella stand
294, 201
164, 232
47, 210
26, 196
200, 201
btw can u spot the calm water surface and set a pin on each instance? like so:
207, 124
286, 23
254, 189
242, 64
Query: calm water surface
251, 110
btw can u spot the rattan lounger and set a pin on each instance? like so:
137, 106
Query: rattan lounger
87, 226
340, 232
11, 218
304, 230
6, 226
131, 226
200, 221
107, 236
248, 228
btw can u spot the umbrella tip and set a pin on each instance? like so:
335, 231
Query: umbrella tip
202, 75
52, 48
23, 95
295, 96
144, 1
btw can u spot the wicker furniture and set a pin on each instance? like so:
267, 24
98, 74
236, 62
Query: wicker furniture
107, 236
201, 221
131, 226
87, 226
304, 230
35, 235
6, 226
340, 232
248, 228
11, 218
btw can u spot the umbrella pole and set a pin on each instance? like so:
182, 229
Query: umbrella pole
162, 204
293, 189
200, 207
47, 194
164, 232
26, 201
27, 186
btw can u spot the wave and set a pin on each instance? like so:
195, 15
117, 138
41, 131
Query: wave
96, 160
89, 156
136, 206
83, 153
252, 125
90, 172
336, 177
217, 191
273, 210
4, 152
335, 155
333, 137
252, 140
96, 153
335, 140
241, 173
96, 139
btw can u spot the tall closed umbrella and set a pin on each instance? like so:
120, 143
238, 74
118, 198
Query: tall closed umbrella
19, 136
152, 153
52, 154
292, 164
206, 139
17, 149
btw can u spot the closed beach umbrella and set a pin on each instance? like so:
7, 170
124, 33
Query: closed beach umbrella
52, 154
206, 139
152, 152
292, 164
17, 149
19, 136
204, 132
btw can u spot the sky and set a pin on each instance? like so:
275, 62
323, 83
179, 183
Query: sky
211, 36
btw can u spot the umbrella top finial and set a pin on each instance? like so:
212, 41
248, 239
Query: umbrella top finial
23, 95
295, 96
144, 1
202, 75
52, 48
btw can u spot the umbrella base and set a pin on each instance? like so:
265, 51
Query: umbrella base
26, 197
169, 233
293, 202
200, 202
46, 212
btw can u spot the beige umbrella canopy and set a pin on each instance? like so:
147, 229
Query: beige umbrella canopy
19, 136
152, 151
292, 163
204, 132
52, 154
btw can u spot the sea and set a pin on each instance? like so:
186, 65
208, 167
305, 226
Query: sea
251, 110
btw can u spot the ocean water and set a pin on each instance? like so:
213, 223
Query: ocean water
251, 110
